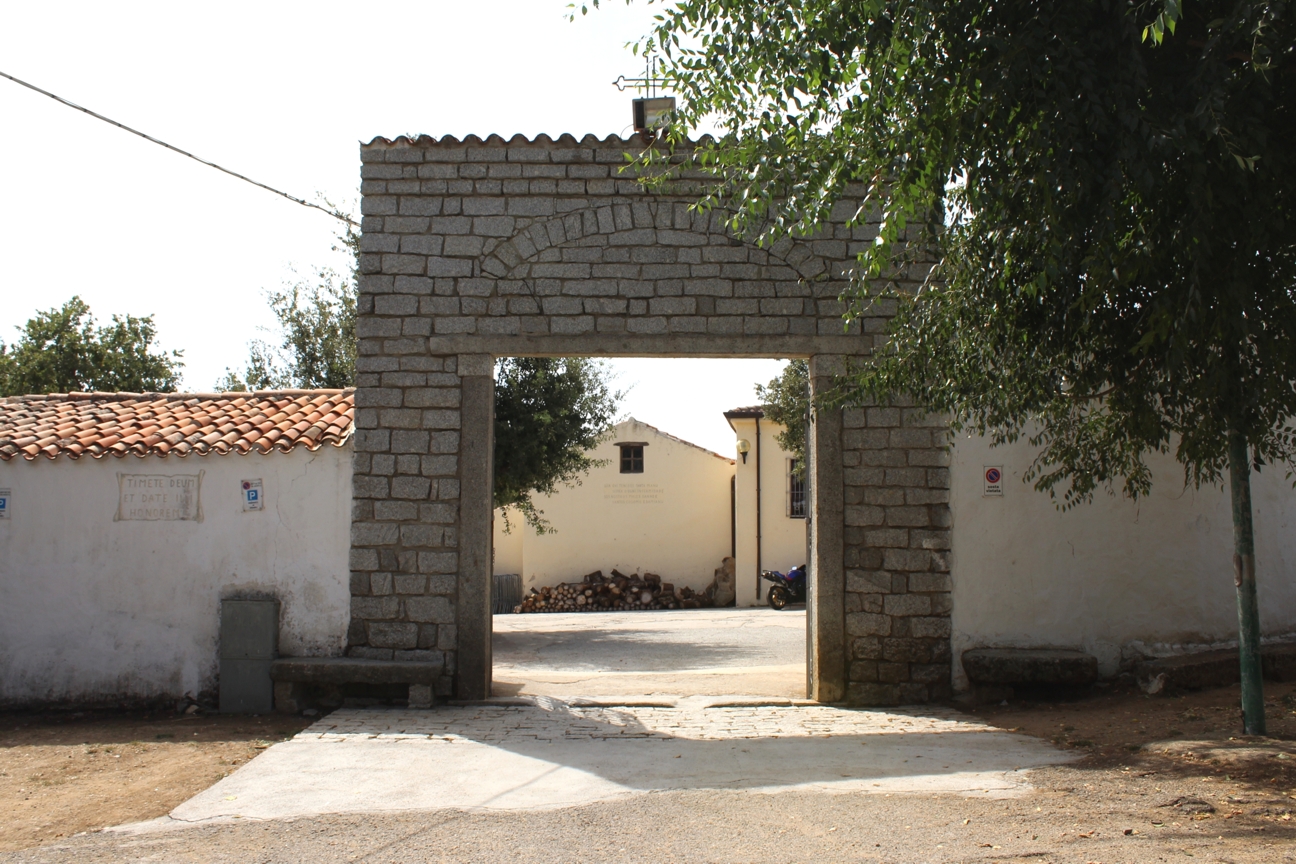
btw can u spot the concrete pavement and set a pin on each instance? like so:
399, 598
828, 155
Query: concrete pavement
655, 727
549, 754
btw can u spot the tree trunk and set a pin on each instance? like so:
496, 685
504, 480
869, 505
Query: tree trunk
1253, 719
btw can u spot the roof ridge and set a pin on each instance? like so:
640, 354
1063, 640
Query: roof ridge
180, 424
665, 434
494, 138
173, 396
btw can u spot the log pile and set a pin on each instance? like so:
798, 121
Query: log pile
615, 593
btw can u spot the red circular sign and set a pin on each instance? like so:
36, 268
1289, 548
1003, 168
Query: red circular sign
992, 475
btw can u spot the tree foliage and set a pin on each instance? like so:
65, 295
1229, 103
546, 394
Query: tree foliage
1096, 197
1103, 219
63, 351
317, 333
549, 413
787, 402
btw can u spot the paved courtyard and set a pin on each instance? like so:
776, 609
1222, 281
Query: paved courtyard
755, 651
724, 779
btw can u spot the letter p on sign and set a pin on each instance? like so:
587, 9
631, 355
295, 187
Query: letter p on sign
253, 495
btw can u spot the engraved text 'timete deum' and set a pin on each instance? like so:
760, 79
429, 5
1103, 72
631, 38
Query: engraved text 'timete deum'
159, 498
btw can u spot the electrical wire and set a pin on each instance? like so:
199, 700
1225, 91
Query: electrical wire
334, 213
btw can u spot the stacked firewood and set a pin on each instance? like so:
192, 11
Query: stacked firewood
615, 593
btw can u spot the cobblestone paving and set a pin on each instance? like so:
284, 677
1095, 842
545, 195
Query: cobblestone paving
553, 720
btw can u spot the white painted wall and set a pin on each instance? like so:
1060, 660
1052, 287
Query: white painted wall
673, 519
94, 608
783, 539
1113, 576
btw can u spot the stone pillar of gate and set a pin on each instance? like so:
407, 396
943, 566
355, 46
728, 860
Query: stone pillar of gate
825, 610
475, 535
896, 531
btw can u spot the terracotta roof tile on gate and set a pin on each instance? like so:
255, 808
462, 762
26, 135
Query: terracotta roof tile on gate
179, 424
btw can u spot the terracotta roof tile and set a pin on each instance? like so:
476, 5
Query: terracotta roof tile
403, 141
179, 424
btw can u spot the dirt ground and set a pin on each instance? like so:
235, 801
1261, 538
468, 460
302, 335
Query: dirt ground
1164, 778
1186, 736
66, 772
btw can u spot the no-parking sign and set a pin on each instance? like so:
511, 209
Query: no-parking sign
993, 482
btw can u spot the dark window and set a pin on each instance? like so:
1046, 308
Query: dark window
796, 490
631, 458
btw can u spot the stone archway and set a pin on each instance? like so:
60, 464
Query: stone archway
473, 250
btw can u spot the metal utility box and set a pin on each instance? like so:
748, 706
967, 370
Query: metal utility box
249, 643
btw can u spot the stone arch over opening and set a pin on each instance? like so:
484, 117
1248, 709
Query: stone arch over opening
650, 223
654, 267
478, 249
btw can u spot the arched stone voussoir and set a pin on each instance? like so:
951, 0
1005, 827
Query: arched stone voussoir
662, 226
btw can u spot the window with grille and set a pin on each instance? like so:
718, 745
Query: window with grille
632, 458
796, 502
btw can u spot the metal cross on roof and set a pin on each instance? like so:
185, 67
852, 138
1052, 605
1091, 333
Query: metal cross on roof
650, 83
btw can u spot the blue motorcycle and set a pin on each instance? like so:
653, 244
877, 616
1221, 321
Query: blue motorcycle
786, 589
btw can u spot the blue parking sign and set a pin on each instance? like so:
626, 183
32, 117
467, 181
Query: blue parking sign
252, 498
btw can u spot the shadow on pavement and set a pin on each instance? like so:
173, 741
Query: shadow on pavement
629, 651
497, 757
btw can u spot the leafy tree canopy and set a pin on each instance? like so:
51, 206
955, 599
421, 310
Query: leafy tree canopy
787, 402
549, 413
63, 351
1094, 196
317, 334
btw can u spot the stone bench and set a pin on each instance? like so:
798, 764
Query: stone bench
291, 675
1210, 669
1044, 666
997, 673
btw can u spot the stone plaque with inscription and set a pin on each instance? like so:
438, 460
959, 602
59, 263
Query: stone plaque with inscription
159, 498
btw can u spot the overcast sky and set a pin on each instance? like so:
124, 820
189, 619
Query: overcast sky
284, 93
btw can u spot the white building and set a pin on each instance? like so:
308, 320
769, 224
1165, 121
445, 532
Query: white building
670, 508
770, 511
128, 518
1116, 578
657, 504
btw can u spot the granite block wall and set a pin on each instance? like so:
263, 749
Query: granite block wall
896, 545
478, 249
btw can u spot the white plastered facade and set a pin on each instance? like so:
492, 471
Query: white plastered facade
1117, 578
97, 608
673, 519
782, 534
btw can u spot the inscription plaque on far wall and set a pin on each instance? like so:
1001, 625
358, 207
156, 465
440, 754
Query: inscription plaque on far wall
159, 498
632, 493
